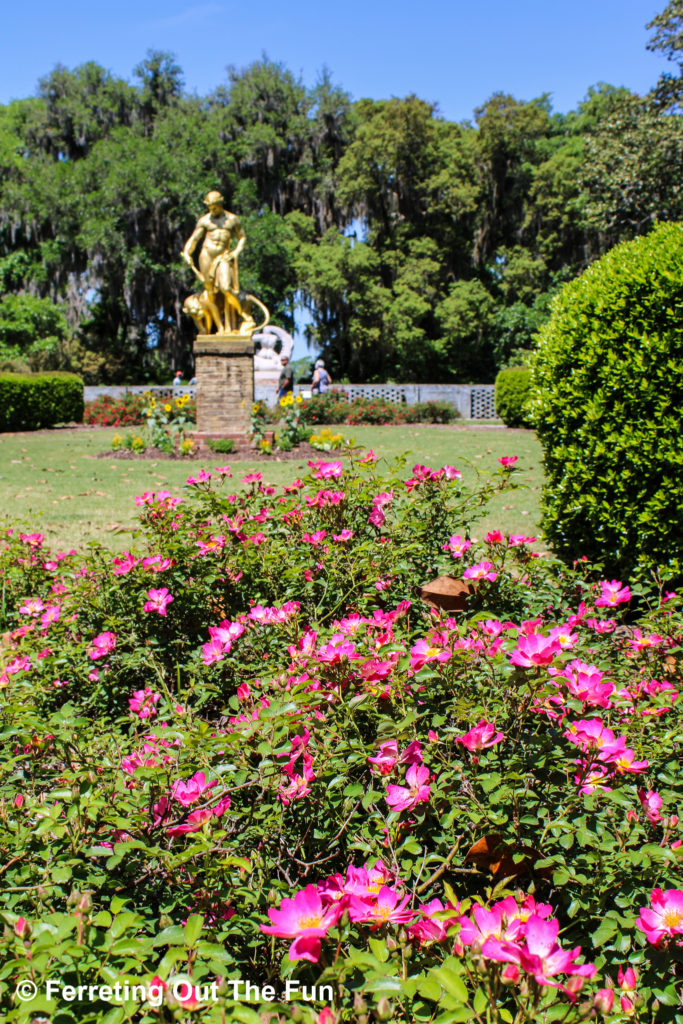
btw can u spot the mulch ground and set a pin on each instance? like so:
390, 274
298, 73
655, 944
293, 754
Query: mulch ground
242, 453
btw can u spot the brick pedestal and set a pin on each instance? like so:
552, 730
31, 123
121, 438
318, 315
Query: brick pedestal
224, 368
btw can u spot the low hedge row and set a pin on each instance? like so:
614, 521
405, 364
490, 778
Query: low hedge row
337, 407
32, 401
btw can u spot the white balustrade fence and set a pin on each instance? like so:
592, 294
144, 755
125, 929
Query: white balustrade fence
161, 392
473, 401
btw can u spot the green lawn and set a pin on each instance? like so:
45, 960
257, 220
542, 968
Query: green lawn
54, 483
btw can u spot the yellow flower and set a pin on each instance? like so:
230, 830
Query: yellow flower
299, 399
168, 407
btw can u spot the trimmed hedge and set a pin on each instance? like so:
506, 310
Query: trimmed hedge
512, 394
337, 407
32, 401
608, 408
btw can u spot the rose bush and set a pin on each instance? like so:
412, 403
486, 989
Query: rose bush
248, 751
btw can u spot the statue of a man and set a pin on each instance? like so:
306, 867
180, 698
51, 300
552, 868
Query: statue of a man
223, 239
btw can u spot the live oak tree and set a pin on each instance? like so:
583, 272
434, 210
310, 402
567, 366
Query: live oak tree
422, 248
667, 39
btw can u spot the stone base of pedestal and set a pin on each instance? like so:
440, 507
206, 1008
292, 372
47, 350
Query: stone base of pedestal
243, 450
224, 368
265, 383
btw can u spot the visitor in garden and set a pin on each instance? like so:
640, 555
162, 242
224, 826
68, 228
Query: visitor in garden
178, 379
321, 379
285, 383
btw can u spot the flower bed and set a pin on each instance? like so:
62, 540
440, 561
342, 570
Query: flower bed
249, 753
130, 410
243, 451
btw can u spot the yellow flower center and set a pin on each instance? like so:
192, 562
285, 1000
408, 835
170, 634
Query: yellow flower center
673, 917
310, 922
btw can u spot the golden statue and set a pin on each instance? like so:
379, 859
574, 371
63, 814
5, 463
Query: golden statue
220, 308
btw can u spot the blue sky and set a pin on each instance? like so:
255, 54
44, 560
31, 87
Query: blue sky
449, 52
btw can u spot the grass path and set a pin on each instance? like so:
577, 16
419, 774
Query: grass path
53, 481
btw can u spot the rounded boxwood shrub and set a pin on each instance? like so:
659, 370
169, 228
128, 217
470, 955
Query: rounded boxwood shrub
608, 407
29, 401
513, 390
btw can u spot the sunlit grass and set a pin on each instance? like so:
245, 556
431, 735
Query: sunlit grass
55, 483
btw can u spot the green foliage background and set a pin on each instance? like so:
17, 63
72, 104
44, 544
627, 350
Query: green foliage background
422, 248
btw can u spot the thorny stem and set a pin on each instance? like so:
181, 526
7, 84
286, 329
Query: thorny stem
441, 869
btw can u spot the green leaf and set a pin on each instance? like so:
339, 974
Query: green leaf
604, 932
430, 987
174, 935
392, 986
122, 922
379, 948
451, 983
193, 928
480, 1000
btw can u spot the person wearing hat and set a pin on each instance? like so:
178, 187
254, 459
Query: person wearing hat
321, 379
285, 384
178, 380
223, 239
